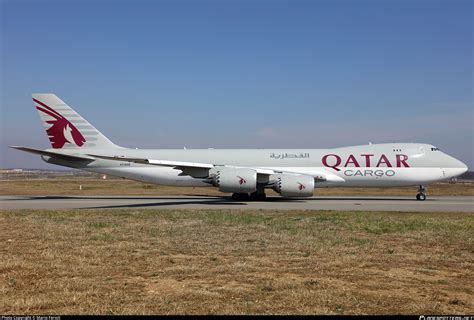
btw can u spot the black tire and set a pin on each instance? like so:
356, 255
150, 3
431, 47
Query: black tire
244, 196
254, 196
236, 196
421, 197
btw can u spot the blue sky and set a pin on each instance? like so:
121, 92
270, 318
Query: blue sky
242, 74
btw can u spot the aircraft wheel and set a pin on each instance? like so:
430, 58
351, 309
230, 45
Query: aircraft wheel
244, 196
240, 196
255, 196
421, 197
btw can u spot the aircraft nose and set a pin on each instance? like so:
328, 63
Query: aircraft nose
464, 168
461, 165
457, 167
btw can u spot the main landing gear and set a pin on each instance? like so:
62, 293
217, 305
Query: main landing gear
421, 196
254, 196
240, 196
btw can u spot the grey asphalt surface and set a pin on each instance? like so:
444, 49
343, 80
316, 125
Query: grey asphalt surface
432, 204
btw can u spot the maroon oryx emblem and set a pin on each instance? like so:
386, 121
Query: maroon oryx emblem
241, 180
61, 130
301, 186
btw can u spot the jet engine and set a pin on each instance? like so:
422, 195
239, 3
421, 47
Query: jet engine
234, 179
292, 185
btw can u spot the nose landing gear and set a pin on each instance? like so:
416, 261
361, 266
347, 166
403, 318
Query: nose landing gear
421, 196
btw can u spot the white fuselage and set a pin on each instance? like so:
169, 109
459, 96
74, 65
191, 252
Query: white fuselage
384, 165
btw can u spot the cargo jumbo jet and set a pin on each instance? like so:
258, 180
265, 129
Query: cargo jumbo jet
245, 173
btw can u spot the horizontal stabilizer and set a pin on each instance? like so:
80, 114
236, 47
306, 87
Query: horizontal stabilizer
58, 155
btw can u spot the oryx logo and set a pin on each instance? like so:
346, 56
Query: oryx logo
301, 186
61, 130
241, 180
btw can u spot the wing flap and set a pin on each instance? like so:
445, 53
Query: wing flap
165, 163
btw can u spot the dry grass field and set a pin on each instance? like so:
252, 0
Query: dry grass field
235, 262
91, 187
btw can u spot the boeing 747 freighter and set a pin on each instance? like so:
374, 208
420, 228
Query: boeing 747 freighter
245, 173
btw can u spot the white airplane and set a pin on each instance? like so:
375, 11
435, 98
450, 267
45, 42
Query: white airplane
244, 172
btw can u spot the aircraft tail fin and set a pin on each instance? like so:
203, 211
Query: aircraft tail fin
65, 128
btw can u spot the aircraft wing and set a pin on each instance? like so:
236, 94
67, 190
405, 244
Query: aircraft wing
189, 168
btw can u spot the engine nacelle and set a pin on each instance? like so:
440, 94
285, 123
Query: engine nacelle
234, 180
292, 185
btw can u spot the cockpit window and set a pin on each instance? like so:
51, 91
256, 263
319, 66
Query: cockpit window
434, 149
